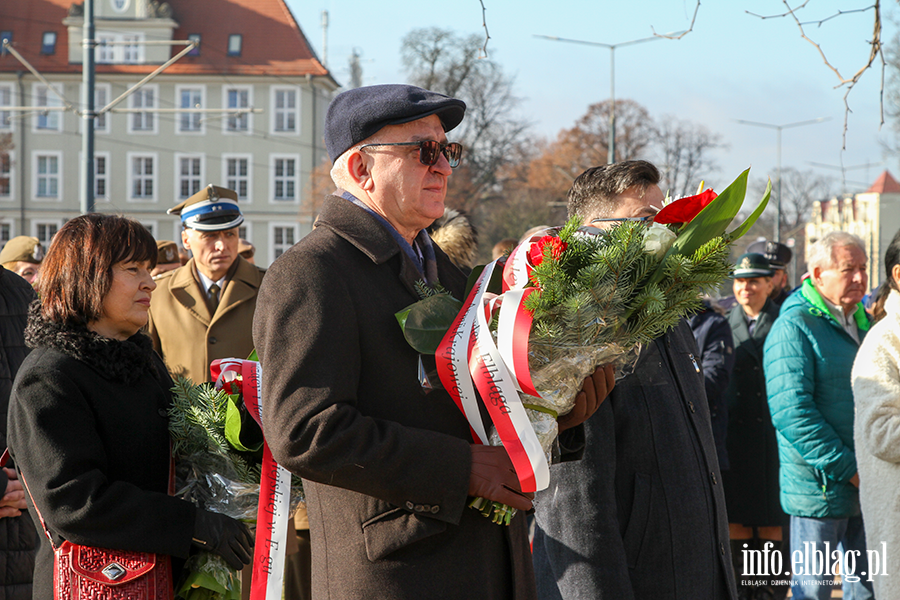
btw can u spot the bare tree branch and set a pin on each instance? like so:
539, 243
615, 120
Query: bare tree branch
487, 34
850, 82
672, 36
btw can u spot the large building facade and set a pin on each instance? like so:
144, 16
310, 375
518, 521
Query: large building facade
873, 215
245, 110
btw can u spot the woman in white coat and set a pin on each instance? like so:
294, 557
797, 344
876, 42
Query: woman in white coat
876, 391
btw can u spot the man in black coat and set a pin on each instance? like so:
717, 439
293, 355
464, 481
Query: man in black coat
18, 537
388, 467
642, 515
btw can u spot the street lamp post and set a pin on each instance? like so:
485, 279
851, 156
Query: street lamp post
778, 128
611, 155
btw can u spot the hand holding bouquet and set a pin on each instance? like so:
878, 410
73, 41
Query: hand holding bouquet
535, 325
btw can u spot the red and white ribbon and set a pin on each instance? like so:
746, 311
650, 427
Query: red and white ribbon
468, 354
273, 515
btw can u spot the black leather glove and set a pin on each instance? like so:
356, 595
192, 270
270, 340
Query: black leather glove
224, 536
494, 478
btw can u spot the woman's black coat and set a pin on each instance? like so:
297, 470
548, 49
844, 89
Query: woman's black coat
89, 432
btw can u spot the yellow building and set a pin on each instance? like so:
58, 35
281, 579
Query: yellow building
873, 215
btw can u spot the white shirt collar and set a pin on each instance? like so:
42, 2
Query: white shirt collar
206, 282
848, 322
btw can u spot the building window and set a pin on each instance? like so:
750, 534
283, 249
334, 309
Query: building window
48, 42
190, 175
234, 44
101, 169
284, 111
6, 96
237, 175
237, 98
285, 180
283, 237
143, 177
119, 48
47, 174
151, 227
5, 36
194, 37
101, 98
190, 98
5, 175
5, 233
144, 97
242, 232
45, 230
45, 97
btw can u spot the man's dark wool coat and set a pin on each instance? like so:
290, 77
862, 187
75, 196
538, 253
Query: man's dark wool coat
751, 485
89, 431
642, 514
18, 539
385, 464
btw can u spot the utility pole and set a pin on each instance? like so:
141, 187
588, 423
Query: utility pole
89, 116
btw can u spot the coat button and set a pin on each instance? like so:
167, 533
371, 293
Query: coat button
409, 505
213, 340
691, 406
435, 509
714, 479
419, 508
163, 412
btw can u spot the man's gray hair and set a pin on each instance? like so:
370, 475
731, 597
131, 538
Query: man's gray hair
595, 191
339, 174
821, 252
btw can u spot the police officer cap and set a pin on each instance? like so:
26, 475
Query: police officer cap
168, 252
213, 208
22, 248
357, 114
778, 254
752, 264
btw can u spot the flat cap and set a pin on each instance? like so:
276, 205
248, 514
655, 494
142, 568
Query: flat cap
778, 254
751, 265
213, 208
168, 252
358, 114
22, 248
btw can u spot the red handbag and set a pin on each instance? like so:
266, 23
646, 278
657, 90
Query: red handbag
89, 573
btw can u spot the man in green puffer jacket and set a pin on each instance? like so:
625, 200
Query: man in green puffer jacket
808, 358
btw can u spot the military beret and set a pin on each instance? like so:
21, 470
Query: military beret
22, 248
358, 114
246, 249
168, 252
778, 254
752, 264
213, 208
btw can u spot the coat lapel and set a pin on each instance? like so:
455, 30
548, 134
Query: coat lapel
186, 290
242, 286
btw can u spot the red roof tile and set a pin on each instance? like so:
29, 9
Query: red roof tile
885, 184
273, 43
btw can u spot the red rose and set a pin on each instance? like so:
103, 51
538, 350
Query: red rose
685, 209
536, 251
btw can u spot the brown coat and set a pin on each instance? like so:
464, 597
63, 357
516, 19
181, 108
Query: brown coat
184, 332
385, 464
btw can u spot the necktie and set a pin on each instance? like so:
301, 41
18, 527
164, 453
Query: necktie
214, 296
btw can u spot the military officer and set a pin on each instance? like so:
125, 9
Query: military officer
778, 256
204, 310
168, 258
23, 255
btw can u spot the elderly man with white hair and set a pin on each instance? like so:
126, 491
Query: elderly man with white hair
808, 358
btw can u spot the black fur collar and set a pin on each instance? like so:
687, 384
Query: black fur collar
120, 361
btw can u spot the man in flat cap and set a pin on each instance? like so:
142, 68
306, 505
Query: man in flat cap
388, 467
778, 256
23, 255
204, 310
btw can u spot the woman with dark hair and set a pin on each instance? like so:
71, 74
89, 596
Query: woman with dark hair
88, 424
876, 393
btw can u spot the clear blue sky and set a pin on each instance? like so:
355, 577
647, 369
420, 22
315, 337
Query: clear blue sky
731, 66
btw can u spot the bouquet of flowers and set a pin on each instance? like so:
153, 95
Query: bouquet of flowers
559, 306
218, 451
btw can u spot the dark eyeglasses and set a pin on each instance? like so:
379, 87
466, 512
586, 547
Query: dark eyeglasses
647, 220
430, 151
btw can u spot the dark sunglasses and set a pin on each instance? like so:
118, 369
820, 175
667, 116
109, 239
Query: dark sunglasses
430, 151
646, 220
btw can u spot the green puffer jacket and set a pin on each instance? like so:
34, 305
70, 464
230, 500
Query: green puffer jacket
807, 360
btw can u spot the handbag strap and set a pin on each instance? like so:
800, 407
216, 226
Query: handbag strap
37, 510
